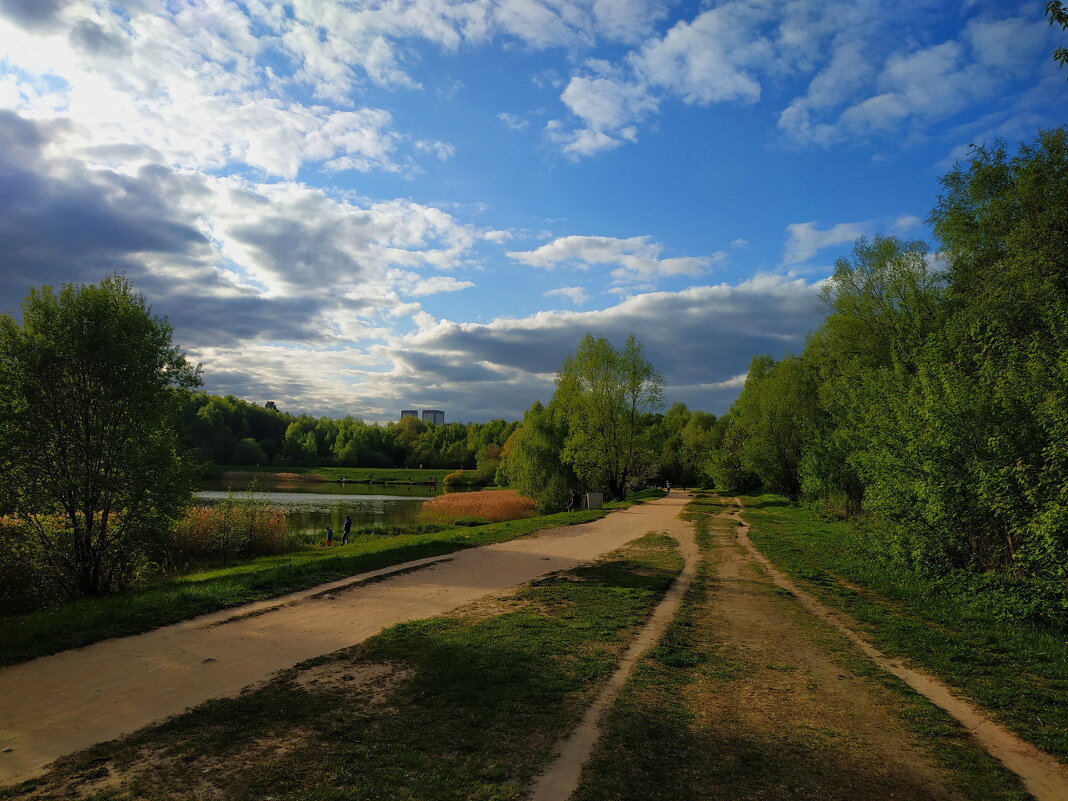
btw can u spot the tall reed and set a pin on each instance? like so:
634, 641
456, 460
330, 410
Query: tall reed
493, 506
234, 527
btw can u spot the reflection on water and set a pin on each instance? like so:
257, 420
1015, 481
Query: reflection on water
312, 506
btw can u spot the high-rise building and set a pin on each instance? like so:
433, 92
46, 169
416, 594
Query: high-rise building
435, 416
409, 413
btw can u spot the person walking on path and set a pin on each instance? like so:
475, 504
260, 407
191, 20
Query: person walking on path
571, 495
345, 533
329, 536
667, 487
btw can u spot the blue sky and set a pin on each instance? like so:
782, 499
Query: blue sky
357, 207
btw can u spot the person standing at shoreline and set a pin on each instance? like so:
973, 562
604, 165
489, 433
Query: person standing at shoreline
345, 531
329, 536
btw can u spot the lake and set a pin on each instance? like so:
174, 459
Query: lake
312, 505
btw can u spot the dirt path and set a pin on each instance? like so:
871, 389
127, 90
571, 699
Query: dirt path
1043, 776
58, 704
559, 781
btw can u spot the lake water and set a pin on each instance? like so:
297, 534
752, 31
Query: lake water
314, 505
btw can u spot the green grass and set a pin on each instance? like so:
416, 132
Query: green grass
1017, 672
371, 475
469, 708
660, 744
140, 609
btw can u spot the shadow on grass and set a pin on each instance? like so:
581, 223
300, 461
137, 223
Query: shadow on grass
473, 712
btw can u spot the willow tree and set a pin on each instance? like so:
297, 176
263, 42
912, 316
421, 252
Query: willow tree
610, 397
89, 449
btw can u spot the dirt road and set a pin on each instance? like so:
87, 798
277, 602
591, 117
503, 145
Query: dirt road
58, 704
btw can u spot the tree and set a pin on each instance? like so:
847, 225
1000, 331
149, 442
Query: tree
532, 458
1058, 15
609, 397
89, 449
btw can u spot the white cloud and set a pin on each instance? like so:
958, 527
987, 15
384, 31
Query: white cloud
906, 222
636, 258
513, 122
805, 239
716, 57
739, 243
575, 294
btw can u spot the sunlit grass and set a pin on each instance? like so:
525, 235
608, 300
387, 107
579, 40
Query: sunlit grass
492, 506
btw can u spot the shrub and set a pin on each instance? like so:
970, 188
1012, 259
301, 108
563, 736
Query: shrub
30, 580
490, 506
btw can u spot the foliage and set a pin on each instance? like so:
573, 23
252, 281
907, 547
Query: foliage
228, 430
534, 463
89, 393
684, 438
934, 394
1058, 15
608, 398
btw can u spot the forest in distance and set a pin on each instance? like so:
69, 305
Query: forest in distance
930, 407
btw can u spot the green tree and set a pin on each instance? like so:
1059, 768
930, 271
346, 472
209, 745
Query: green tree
532, 458
89, 401
609, 398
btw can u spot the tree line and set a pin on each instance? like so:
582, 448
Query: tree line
229, 430
934, 397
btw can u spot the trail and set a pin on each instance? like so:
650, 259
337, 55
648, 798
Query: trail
1043, 776
59, 704
561, 778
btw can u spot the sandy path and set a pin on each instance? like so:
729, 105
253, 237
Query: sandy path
1043, 776
59, 704
561, 778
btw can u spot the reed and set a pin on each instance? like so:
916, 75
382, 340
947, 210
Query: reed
492, 506
235, 527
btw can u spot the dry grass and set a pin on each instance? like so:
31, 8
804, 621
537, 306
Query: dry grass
230, 529
493, 506
244, 477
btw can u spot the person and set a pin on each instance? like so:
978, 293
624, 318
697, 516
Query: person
329, 536
667, 486
571, 496
345, 533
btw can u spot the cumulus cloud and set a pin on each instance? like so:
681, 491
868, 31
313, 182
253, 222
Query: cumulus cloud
229, 259
637, 258
703, 352
805, 239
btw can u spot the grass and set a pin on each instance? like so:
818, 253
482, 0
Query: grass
463, 707
666, 739
140, 609
492, 506
1017, 672
366, 475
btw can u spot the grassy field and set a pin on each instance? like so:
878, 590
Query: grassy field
1017, 672
461, 707
366, 475
684, 727
140, 609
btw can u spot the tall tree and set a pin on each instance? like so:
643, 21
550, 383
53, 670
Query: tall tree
88, 410
609, 397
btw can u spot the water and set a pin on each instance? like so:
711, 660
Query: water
312, 506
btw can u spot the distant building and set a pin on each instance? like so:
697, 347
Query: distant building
409, 413
435, 416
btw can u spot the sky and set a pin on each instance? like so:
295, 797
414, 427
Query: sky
362, 206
